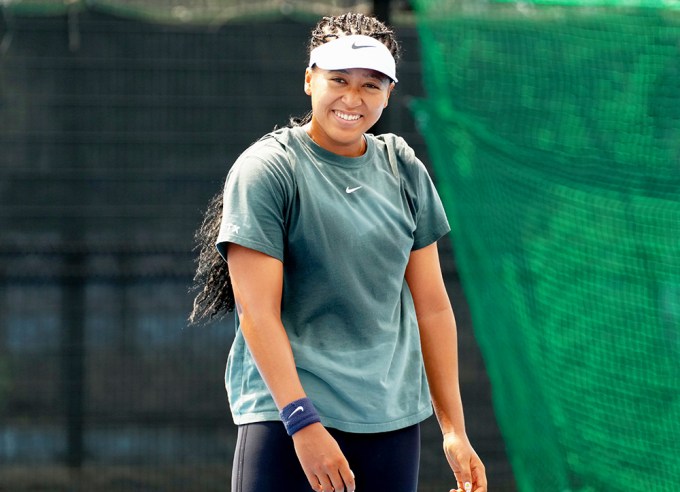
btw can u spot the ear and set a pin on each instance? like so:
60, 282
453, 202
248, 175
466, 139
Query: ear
308, 81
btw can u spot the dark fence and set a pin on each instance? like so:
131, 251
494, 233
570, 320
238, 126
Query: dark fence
114, 135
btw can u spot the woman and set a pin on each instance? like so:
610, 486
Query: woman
345, 334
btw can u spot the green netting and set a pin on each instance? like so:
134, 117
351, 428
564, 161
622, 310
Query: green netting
555, 138
597, 3
439, 7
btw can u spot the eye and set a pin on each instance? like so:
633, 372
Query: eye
338, 80
371, 85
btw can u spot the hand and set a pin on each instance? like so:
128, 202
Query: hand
466, 465
322, 460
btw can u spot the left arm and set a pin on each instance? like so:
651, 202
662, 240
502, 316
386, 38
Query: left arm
438, 338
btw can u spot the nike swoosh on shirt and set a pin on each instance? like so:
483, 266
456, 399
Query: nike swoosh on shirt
298, 409
356, 46
352, 190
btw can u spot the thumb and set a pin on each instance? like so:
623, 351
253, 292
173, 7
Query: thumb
456, 451
467, 488
464, 476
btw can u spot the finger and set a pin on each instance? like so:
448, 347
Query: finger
348, 479
337, 483
460, 468
480, 486
319, 484
343, 480
325, 484
318, 487
314, 482
479, 476
464, 477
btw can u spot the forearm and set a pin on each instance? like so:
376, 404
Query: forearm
270, 347
438, 337
439, 345
257, 280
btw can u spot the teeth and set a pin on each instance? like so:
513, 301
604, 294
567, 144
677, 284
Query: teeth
348, 117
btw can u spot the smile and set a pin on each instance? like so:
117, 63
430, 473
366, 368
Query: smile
347, 117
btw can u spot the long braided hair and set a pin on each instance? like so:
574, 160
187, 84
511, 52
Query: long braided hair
215, 296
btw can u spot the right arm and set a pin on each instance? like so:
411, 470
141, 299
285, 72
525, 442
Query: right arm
257, 280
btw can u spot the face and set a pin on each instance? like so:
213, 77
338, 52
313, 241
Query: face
345, 104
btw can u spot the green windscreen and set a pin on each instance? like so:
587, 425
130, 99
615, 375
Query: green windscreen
554, 131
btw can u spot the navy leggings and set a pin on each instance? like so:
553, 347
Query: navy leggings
265, 459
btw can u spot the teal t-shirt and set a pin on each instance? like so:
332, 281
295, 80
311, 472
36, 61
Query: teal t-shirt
344, 229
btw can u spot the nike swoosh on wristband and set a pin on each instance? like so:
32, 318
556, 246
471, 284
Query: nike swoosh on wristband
356, 46
352, 190
298, 409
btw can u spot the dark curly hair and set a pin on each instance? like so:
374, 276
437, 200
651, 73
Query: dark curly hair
330, 28
215, 295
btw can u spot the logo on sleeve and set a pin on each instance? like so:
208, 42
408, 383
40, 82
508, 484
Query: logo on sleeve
352, 190
231, 228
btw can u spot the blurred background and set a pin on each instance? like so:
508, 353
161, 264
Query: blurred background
551, 128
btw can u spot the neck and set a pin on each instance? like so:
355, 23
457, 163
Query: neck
354, 149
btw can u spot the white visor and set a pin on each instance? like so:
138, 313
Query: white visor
355, 51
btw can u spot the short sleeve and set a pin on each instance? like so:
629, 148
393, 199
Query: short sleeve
431, 221
426, 205
255, 203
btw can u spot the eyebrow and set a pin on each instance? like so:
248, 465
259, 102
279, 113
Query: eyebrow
373, 74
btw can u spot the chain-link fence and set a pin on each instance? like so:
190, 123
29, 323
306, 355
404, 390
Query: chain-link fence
114, 134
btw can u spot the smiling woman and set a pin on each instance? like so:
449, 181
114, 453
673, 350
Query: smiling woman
345, 336
345, 104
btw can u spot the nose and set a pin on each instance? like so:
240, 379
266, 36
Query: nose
351, 97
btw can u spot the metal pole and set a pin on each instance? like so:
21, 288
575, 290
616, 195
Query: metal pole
73, 353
